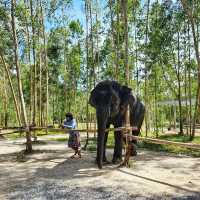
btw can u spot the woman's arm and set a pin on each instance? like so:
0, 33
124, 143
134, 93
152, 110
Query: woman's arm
71, 124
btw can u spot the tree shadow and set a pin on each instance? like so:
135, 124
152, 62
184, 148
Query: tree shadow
13, 156
153, 156
73, 168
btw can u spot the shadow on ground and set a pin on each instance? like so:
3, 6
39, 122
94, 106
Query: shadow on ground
49, 173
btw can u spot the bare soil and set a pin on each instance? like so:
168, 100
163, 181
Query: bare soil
49, 173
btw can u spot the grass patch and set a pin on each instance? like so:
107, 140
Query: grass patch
43, 132
169, 148
150, 134
196, 140
14, 136
39, 142
159, 147
60, 139
180, 138
175, 138
92, 147
92, 144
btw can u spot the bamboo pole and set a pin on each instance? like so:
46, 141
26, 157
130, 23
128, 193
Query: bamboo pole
158, 141
11, 132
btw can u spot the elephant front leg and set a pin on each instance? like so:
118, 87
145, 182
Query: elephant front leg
104, 150
117, 156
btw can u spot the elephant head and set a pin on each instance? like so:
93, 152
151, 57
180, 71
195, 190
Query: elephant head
107, 98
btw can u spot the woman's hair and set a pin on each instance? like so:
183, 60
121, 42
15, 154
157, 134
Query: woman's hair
69, 115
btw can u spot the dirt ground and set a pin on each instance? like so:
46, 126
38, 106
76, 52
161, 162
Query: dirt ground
49, 173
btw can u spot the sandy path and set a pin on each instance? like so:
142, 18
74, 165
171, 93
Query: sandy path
51, 174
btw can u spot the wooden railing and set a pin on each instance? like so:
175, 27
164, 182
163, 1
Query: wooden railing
125, 130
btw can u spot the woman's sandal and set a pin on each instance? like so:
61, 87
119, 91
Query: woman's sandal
72, 156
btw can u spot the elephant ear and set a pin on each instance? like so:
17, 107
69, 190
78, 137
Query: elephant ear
125, 95
100, 98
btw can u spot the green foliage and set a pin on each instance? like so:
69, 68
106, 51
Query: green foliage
5, 31
76, 28
153, 56
59, 139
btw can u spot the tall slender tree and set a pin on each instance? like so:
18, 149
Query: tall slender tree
193, 23
18, 69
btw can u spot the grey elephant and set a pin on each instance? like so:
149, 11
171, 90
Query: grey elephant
111, 100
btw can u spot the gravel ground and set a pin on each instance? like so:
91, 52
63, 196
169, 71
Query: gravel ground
49, 173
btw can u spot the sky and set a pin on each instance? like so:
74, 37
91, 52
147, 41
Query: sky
76, 11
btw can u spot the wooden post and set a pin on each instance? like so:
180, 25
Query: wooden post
127, 79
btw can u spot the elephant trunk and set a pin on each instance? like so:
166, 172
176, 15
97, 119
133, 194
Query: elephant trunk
102, 116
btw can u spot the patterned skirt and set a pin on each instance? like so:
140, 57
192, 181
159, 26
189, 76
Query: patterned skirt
73, 141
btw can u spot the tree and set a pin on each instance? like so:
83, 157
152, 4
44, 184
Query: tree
18, 69
192, 18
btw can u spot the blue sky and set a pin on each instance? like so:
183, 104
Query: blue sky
76, 11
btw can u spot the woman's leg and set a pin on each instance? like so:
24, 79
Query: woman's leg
79, 152
75, 152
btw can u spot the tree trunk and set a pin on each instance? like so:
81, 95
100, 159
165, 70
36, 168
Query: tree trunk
29, 61
97, 42
145, 76
39, 55
93, 74
5, 102
155, 104
126, 64
35, 66
185, 79
179, 89
18, 69
191, 18
117, 42
87, 75
189, 82
12, 89
113, 40
45, 65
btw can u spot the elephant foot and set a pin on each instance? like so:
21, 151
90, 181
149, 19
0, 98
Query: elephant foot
116, 160
98, 163
105, 162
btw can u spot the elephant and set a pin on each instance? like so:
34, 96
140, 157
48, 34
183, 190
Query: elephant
111, 100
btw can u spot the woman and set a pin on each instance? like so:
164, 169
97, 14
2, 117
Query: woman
74, 136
